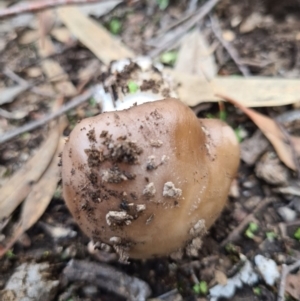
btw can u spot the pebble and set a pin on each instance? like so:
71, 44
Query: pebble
58, 232
29, 282
267, 268
287, 214
246, 276
296, 204
90, 290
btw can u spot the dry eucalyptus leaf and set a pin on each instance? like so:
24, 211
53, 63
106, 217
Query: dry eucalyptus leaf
271, 130
292, 286
220, 277
54, 71
253, 91
20, 184
95, 37
37, 200
29, 37
250, 23
196, 57
33, 71
62, 35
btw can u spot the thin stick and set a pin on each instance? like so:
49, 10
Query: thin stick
203, 11
34, 124
22, 82
284, 272
40, 5
215, 26
175, 24
235, 234
108, 278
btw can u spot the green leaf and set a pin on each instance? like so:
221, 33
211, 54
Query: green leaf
238, 134
223, 115
115, 26
25, 135
162, 4
297, 234
257, 291
230, 248
203, 287
209, 116
249, 234
10, 254
93, 102
253, 227
200, 288
169, 58
132, 87
271, 235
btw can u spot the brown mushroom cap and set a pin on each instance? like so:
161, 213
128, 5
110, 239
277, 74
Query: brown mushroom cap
150, 179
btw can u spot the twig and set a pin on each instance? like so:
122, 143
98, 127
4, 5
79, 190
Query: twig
283, 227
175, 24
40, 5
284, 272
22, 82
203, 11
34, 124
108, 278
167, 295
215, 26
236, 233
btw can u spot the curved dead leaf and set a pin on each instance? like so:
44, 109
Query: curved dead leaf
196, 57
292, 286
18, 187
272, 131
37, 200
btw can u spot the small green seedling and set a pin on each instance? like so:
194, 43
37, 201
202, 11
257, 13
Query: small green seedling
257, 291
115, 26
93, 102
297, 234
10, 254
230, 248
209, 116
223, 115
58, 193
25, 135
271, 235
169, 58
132, 87
252, 228
200, 288
238, 134
162, 4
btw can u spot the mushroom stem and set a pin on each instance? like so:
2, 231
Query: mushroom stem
132, 82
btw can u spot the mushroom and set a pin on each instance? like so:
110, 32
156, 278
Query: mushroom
149, 180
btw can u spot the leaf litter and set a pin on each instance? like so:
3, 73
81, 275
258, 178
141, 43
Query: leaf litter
273, 131
257, 97
21, 183
39, 197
